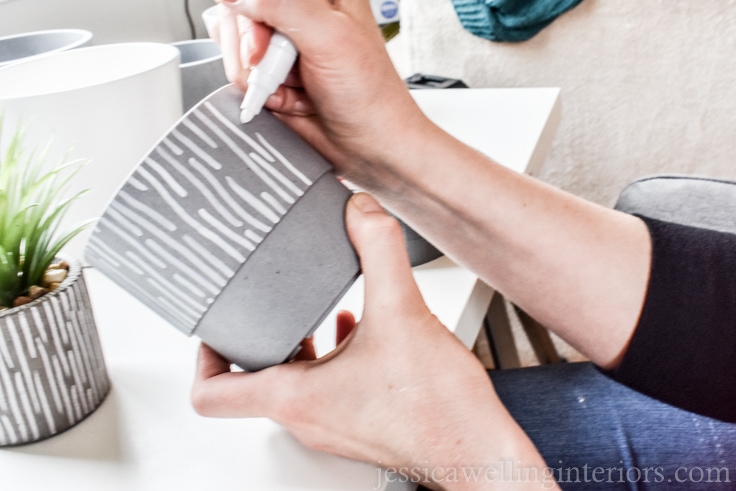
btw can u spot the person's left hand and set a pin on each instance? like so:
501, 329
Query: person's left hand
400, 390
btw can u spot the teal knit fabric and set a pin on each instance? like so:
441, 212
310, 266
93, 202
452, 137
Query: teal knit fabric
509, 20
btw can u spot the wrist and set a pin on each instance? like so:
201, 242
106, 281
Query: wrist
499, 457
393, 160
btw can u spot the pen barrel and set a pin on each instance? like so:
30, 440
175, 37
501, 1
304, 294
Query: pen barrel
271, 72
277, 62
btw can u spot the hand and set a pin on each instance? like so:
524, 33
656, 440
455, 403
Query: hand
344, 95
400, 390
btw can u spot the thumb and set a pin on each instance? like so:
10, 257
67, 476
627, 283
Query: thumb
378, 239
219, 393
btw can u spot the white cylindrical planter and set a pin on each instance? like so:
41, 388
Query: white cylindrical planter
31, 45
202, 71
52, 371
110, 104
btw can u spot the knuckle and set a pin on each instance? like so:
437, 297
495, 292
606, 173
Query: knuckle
201, 402
383, 223
286, 406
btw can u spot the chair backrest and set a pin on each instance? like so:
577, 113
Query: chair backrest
690, 200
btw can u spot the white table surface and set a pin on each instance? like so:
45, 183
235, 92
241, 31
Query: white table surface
146, 436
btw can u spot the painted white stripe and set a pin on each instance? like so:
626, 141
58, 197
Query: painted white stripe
45, 407
99, 371
201, 134
86, 355
237, 131
40, 324
167, 177
110, 257
188, 270
4, 440
244, 157
224, 230
217, 186
137, 184
176, 315
4, 401
202, 188
135, 244
98, 251
145, 295
5, 353
25, 369
209, 257
173, 301
277, 174
58, 319
246, 196
188, 285
199, 228
284, 161
76, 348
74, 391
124, 222
30, 416
50, 376
196, 149
56, 339
172, 147
27, 336
20, 412
13, 402
68, 411
274, 203
154, 275
153, 214
170, 242
251, 235
12, 437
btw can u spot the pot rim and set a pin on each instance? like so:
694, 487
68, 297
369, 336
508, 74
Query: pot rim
75, 272
84, 37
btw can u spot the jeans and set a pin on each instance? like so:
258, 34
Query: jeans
595, 433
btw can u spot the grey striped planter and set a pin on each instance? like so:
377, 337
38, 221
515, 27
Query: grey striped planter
234, 233
52, 373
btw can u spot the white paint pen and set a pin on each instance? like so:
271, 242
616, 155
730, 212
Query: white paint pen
266, 77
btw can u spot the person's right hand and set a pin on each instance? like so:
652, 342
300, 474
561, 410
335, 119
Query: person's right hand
344, 96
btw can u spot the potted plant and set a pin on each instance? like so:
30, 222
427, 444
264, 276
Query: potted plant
52, 373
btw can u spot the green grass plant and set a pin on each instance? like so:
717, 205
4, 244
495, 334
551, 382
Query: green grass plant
32, 205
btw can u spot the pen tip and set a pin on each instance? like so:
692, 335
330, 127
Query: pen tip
246, 116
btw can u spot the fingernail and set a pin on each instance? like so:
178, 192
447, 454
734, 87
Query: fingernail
301, 107
366, 203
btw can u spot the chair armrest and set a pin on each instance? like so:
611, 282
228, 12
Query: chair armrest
689, 200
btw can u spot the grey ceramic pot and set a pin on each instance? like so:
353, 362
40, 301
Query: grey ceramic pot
234, 233
22, 47
202, 71
52, 372
420, 250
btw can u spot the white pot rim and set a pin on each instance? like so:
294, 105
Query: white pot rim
83, 37
71, 70
194, 42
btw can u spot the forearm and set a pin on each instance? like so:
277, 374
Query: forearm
578, 268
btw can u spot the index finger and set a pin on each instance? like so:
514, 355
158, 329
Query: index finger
230, 45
